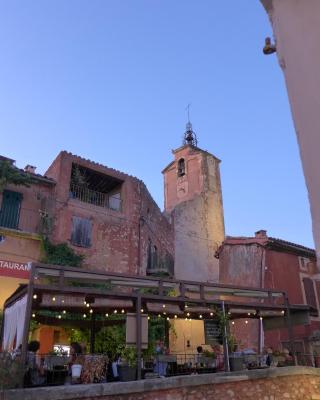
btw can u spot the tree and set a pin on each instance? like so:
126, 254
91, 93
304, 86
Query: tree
11, 174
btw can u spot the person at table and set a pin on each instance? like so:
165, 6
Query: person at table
35, 375
288, 357
269, 359
160, 366
199, 356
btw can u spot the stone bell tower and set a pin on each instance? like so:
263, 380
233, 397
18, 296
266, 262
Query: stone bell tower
193, 197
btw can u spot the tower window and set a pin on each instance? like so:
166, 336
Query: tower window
181, 167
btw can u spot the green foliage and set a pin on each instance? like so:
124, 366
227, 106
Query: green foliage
9, 174
129, 356
79, 335
11, 371
209, 354
60, 254
78, 177
111, 340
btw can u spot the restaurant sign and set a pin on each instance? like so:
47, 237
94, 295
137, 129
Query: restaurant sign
15, 269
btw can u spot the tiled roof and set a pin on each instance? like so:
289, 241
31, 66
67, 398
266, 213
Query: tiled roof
275, 242
269, 242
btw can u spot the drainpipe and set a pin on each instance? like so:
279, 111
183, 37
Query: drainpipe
262, 272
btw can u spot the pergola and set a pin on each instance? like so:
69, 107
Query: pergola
94, 295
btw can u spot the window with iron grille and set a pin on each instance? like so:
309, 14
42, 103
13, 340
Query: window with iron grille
81, 232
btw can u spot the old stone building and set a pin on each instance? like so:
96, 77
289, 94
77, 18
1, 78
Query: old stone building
193, 197
265, 262
111, 219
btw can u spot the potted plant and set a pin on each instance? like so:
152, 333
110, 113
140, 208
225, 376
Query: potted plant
128, 366
208, 358
236, 360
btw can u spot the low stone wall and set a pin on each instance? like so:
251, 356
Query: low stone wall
296, 383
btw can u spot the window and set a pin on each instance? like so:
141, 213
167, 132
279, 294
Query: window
310, 292
154, 257
10, 209
303, 262
152, 253
81, 232
181, 167
149, 261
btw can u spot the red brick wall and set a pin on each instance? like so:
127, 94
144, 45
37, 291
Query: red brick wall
119, 239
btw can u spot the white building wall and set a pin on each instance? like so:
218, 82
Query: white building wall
296, 27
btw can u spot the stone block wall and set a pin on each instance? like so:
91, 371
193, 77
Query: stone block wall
295, 383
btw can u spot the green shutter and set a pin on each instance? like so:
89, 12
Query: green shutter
10, 209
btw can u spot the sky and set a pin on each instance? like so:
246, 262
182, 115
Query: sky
109, 80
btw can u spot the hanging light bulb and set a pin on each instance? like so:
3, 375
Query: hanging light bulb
88, 305
249, 314
35, 296
91, 311
85, 303
148, 317
282, 312
53, 298
246, 321
186, 319
159, 316
64, 312
164, 313
115, 311
33, 315
188, 314
84, 316
142, 310
122, 311
175, 316
62, 301
200, 316
232, 322
107, 315
168, 318
59, 316
261, 318
211, 314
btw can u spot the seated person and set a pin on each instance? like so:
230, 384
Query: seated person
289, 360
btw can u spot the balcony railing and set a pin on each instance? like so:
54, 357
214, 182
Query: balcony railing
27, 220
99, 199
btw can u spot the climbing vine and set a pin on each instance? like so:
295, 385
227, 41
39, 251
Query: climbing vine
60, 254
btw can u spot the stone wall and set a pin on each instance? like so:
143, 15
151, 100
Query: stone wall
295, 383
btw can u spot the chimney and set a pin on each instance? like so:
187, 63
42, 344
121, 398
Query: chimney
262, 234
30, 169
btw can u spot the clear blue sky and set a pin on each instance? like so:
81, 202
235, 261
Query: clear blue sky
110, 80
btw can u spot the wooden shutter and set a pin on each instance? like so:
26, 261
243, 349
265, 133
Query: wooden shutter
10, 209
309, 292
81, 232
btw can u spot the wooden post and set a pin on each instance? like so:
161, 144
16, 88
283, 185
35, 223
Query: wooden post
92, 333
138, 336
225, 340
27, 318
290, 330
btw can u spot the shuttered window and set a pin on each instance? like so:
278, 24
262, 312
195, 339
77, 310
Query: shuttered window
81, 232
309, 292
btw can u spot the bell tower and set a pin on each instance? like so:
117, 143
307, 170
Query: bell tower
193, 197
